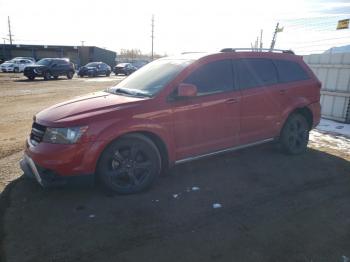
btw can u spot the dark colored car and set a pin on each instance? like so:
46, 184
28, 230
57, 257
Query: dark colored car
171, 111
124, 69
50, 67
95, 69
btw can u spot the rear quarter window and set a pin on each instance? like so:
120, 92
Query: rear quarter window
290, 71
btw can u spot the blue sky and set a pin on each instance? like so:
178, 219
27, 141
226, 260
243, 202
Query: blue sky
180, 25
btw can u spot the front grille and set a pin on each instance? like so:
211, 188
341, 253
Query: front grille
37, 134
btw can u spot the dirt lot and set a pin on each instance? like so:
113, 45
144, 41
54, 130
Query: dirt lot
274, 207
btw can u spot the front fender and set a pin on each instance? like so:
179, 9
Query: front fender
120, 128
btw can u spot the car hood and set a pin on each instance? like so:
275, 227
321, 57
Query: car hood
80, 109
7, 64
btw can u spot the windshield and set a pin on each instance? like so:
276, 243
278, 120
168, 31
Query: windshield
44, 61
151, 78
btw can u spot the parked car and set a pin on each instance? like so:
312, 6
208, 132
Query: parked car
124, 69
139, 64
172, 111
16, 65
25, 57
95, 69
50, 67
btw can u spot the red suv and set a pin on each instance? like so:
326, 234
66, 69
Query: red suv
171, 111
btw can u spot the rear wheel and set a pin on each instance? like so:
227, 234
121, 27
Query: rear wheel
130, 164
295, 134
70, 75
47, 75
108, 73
55, 77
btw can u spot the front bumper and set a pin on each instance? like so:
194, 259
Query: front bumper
7, 69
48, 178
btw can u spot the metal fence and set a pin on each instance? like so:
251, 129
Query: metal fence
333, 70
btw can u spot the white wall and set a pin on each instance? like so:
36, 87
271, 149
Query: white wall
333, 70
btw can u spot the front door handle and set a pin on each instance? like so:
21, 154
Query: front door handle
232, 100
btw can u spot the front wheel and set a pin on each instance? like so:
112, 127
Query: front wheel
31, 78
295, 135
16, 70
129, 164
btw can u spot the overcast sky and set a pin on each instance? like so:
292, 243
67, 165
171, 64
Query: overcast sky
181, 25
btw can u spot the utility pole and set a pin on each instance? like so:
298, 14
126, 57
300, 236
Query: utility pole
152, 35
9, 24
82, 42
273, 42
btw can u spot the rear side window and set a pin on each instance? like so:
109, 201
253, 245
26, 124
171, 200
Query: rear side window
214, 77
290, 71
255, 72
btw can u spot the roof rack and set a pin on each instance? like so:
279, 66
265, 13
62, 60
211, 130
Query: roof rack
257, 50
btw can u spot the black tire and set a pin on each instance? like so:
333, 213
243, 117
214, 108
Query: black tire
130, 164
70, 74
47, 75
81, 75
108, 73
295, 135
55, 77
16, 70
31, 78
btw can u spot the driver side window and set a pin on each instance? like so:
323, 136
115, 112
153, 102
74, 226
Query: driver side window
214, 77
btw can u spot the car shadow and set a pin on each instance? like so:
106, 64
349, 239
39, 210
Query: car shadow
40, 80
274, 207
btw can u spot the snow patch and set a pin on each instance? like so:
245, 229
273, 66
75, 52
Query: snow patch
334, 127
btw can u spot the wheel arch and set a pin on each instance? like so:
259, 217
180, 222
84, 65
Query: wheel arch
303, 110
156, 139
307, 113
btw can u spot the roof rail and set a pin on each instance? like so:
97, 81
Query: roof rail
185, 53
257, 50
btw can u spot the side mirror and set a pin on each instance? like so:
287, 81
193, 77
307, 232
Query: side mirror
186, 90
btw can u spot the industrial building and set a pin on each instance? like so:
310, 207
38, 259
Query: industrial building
79, 55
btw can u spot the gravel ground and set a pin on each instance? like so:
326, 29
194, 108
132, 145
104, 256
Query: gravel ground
272, 207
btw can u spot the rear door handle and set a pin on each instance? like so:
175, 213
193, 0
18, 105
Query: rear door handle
282, 91
232, 100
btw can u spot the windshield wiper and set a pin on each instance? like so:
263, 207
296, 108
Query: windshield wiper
131, 92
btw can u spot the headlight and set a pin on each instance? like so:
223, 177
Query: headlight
68, 135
